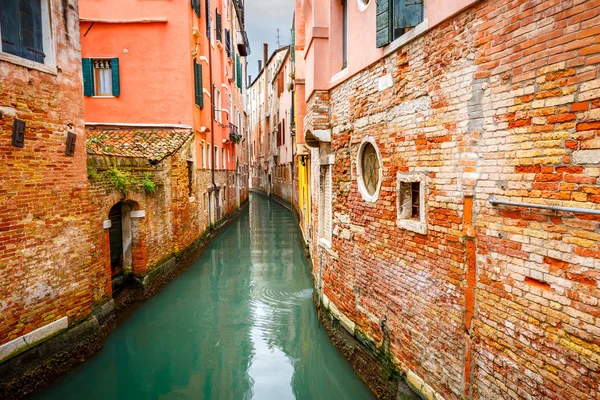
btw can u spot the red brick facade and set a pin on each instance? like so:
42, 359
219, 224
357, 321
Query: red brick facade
46, 234
502, 101
175, 217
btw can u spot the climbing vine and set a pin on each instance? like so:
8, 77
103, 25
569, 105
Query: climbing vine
149, 186
119, 179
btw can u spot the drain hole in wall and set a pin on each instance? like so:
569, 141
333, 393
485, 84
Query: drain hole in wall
537, 283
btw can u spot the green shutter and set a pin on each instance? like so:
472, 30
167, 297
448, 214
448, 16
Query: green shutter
236, 73
384, 31
88, 77
199, 94
407, 13
240, 77
208, 27
116, 83
219, 26
196, 7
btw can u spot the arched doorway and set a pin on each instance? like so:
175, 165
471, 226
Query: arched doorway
121, 242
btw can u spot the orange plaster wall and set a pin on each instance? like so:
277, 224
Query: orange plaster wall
155, 79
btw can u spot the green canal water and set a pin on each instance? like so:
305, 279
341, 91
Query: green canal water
238, 324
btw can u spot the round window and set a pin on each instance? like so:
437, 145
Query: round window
363, 4
369, 170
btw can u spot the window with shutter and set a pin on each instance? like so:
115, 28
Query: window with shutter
219, 28
101, 77
406, 14
396, 17
199, 94
21, 29
196, 7
208, 19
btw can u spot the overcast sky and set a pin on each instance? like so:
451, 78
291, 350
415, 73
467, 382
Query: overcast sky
263, 18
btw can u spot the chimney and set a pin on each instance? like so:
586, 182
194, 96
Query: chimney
266, 53
259, 66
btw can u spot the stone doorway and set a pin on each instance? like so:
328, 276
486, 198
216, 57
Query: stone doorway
121, 242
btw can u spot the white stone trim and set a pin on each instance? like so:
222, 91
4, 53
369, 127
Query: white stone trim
418, 226
137, 214
370, 198
324, 135
31, 339
107, 224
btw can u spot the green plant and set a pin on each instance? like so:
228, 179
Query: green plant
93, 173
149, 186
119, 179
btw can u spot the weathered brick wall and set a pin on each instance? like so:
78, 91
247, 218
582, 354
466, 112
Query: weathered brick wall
537, 327
173, 220
282, 181
46, 236
493, 302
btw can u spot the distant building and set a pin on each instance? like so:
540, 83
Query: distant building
264, 112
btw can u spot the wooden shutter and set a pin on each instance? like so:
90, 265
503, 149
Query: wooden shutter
9, 25
407, 13
207, 3
21, 24
88, 77
116, 83
219, 30
239, 73
196, 7
279, 135
199, 94
32, 42
384, 31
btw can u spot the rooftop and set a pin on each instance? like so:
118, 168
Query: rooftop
152, 144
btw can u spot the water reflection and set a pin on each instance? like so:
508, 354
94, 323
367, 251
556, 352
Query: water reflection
239, 324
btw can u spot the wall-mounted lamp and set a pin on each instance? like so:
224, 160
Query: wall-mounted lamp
196, 34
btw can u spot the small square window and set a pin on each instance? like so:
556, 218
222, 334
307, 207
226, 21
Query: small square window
103, 83
411, 203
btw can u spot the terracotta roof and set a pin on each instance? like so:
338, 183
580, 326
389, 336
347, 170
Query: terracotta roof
153, 144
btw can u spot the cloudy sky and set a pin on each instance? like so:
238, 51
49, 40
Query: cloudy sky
263, 18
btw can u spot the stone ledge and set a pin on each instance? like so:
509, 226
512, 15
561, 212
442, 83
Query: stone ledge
25, 342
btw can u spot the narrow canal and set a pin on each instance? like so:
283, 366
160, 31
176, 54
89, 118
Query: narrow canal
238, 324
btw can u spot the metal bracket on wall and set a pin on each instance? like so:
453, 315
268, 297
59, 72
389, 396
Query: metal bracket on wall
18, 133
71, 141
493, 201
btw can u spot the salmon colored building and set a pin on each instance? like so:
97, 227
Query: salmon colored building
169, 64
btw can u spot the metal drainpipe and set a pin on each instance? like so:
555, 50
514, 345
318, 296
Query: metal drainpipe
212, 125
493, 201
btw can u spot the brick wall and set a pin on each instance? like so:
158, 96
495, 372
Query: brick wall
282, 181
46, 236
173, 219
493, 302
537, 325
